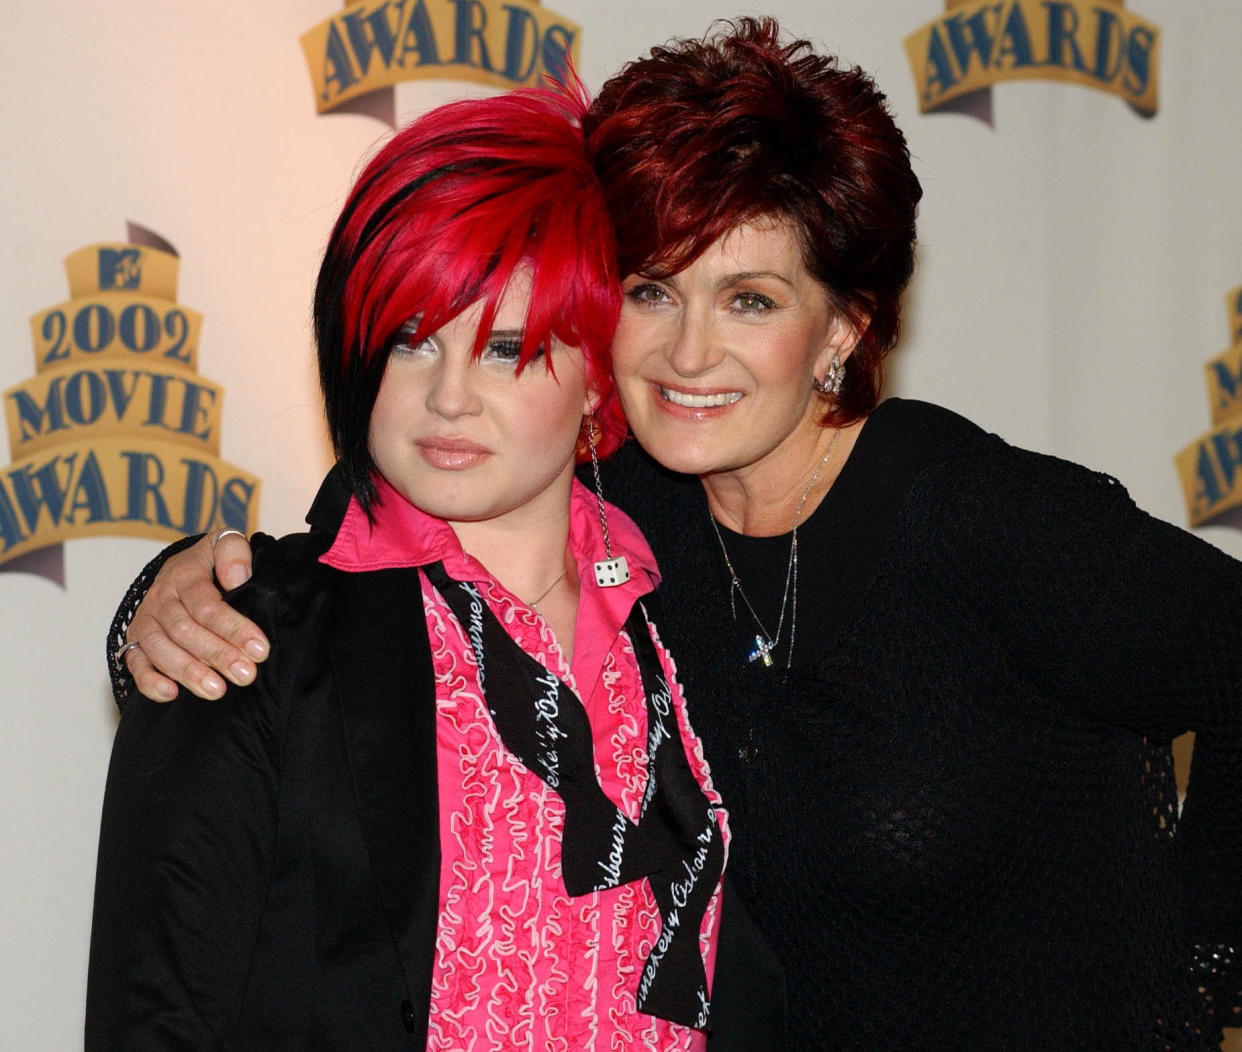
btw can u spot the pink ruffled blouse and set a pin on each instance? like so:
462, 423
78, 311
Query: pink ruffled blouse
519, 963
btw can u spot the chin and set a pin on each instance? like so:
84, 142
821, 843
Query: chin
685, 461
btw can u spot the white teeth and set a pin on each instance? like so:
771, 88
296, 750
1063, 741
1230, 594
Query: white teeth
691, 401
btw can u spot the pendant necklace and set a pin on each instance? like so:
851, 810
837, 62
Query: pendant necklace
534, 603
765, 642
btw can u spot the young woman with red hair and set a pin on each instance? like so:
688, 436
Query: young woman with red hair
936, 676
462, 807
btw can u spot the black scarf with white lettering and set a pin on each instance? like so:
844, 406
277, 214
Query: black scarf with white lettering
676, 843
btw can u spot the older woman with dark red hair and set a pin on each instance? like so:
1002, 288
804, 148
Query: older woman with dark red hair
936, 676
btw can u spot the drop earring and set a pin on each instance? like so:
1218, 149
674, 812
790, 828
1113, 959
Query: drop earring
833, 378
609, 571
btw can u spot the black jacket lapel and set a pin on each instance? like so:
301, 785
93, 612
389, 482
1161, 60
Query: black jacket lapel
381, 661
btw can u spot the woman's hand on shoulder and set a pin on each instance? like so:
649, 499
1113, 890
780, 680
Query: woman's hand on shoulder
186, 632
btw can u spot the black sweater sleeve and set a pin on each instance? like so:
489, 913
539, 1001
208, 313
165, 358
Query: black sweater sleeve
1163, 648
1121, 618
187, 842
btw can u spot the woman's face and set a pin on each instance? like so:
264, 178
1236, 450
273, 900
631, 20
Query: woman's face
714, 364
470, 440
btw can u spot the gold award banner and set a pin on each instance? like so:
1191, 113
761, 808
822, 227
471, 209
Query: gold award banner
978, 43
116, 433
1211, 468
374, 44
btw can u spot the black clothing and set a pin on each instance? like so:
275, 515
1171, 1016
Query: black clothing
314, 790
955, 816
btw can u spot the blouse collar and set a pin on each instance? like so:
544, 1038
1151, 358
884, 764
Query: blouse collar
404, 536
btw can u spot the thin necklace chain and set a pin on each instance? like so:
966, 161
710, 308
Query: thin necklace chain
534, 603
767, 644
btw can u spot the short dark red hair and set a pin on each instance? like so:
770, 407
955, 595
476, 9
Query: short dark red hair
704, 135
441, 218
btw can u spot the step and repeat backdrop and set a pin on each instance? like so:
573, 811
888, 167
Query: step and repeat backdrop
170, 175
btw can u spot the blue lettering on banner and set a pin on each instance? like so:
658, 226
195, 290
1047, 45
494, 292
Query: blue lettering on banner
85, 397
72, 490
373, 45
470, 22
120, 268
969, 48
1229, 384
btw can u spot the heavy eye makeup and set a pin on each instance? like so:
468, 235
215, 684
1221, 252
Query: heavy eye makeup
506, 348
402, 344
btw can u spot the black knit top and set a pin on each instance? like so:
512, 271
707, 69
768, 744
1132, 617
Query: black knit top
955, 816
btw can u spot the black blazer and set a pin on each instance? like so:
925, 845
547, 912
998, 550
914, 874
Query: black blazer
269, 863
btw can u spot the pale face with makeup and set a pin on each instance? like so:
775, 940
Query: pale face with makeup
472, 440
714, 364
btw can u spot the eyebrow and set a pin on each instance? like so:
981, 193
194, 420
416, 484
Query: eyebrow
746, 275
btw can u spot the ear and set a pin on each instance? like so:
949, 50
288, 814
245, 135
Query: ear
591, 400
841, 340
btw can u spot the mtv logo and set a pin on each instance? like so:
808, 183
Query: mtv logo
120, 268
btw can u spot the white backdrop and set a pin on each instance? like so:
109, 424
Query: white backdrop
1073, 266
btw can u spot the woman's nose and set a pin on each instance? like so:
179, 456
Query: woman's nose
695, 348
454, 387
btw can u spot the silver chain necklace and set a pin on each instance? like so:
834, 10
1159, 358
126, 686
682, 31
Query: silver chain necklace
534, 603
765, 642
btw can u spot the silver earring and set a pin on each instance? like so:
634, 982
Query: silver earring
609, 571
831, 383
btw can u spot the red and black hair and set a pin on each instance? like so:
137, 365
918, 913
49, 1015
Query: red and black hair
704, 135
440, 219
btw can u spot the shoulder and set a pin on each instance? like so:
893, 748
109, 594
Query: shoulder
983, 478
286, 575
920, 424
1027, 540
290, 597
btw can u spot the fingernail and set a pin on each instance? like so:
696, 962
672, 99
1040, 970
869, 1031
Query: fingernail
256, 649
213, 685
241, 672
235, 577
167, 691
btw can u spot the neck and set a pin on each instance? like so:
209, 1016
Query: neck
761, 499
525, 551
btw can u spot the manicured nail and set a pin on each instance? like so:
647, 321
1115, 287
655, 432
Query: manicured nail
213, 685
256, 649
241, 672
167, 691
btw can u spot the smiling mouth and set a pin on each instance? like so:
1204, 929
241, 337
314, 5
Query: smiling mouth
699, 401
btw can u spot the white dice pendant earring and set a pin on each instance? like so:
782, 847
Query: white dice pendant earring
609, 571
